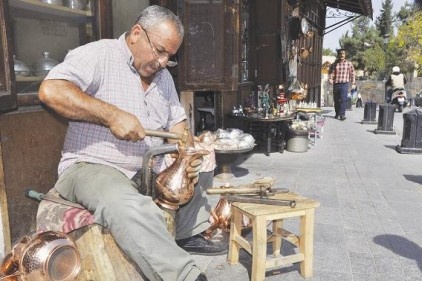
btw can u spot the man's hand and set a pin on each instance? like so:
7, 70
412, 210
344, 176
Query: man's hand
194, 168
330, 81
126, 126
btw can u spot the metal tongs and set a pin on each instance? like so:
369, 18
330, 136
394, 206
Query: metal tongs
253, 193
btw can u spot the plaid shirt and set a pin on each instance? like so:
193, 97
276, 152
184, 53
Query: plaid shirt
104, 70
342, 72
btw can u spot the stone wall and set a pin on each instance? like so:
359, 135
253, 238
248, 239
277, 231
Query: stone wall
373, 90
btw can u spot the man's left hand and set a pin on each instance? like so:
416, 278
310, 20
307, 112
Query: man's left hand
194, 168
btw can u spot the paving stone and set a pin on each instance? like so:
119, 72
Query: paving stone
358, 245
328, 215
331, 257
353, 233
329, 233
389, 267
362, 263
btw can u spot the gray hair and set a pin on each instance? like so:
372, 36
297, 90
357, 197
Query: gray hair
154, 15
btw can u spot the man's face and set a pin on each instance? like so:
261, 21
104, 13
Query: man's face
342, 55
152, 48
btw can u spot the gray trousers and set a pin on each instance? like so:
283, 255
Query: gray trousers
135, 221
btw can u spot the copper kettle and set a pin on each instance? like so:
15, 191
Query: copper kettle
173, 186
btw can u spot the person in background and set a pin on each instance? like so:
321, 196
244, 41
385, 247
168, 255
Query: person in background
340, 74
359, 102
111, 91
395, 81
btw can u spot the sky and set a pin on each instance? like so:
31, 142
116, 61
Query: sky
331, 39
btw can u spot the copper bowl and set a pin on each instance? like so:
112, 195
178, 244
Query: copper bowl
48, 256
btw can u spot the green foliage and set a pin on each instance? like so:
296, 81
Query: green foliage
328, 52
374, 60
365, 40
406, 12
407, 45
385, 19
365, 45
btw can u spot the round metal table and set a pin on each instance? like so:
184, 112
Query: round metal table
262, 130
225, 159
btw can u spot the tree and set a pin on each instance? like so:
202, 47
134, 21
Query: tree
328, 52
406, 12
383, 24
364, 46
407, 45
385, 19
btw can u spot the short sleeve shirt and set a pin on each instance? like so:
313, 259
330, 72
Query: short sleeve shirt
342, 72
104, 70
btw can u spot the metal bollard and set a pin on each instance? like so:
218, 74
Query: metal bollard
385, 119
412, 133
369, 113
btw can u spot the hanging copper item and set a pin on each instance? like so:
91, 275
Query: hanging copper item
173, 186
48, 256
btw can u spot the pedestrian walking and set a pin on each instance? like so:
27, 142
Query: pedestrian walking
340, 74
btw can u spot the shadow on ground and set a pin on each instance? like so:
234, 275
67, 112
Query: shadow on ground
287, 249
401, 246
414, 178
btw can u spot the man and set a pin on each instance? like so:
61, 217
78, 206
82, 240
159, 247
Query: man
340, 74
396, 81
111, 91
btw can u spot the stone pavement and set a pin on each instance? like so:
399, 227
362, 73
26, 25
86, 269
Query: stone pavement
369, 224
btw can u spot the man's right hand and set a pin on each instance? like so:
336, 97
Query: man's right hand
126, 126
68, 100
330, 81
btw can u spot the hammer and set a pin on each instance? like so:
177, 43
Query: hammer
161, 134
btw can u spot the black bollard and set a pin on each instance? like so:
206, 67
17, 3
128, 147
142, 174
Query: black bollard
418, 101
412, 133
369, 112
385, 119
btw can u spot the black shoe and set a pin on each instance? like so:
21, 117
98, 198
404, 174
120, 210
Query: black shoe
199, 245
342, 118
336, 117
201, 277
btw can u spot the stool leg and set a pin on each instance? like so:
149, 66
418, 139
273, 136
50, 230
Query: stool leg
259, 248
277, 242
235, 232
306, 244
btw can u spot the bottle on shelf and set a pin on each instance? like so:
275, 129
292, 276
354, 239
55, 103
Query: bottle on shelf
202, 125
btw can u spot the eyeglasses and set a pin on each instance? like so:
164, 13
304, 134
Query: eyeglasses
161, 55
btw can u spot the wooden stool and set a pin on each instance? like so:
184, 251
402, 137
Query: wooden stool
260, 214
101, 257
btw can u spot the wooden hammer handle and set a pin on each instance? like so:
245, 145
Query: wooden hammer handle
162, 134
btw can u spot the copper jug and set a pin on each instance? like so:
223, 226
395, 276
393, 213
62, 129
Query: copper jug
173, 187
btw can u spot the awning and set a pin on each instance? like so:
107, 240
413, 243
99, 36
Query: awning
362, 7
